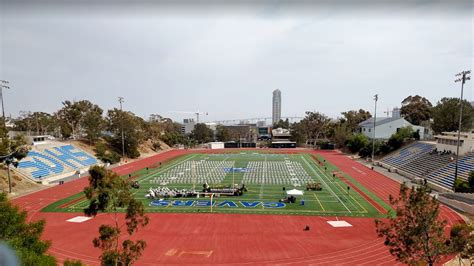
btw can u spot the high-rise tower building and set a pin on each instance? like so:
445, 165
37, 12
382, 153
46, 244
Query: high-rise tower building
276, 113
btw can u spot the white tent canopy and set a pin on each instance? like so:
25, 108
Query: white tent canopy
294, 192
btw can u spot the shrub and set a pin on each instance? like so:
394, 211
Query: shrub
105, 154
357, 142
461, 186
471, 181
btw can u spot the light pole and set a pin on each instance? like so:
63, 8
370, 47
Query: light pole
461, 77
121, 100
4, 85
376, 98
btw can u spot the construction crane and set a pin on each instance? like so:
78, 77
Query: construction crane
197, 113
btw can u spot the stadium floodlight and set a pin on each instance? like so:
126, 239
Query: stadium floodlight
462, 77
121, 100
4, 85
376, 98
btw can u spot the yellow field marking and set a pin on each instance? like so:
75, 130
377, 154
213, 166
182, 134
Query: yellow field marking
358, 203
319, 201
365, 211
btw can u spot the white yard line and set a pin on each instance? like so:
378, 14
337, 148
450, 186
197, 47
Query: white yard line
263, 176
309, 165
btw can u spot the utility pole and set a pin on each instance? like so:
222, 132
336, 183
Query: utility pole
376, 98
461, 77
121, 100
4, 85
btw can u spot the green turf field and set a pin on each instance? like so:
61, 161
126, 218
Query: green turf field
265, 175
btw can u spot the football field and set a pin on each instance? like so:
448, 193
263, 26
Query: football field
267, 178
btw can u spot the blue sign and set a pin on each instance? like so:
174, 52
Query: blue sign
222, 204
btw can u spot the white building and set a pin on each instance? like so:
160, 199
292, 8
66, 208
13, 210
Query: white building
281, 138
385, 127
187, 126
448, 141
276, 106
215, 145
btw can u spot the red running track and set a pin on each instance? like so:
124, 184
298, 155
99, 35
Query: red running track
227, 238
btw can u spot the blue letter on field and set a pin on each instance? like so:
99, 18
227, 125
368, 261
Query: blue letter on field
158, 203
203, 203
248, 204
274, 205
180, 203
227, 203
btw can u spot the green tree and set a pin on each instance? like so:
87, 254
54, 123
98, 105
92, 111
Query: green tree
80, 118
39, 122
341, 134
416, 109
93, 123
71, 114
352, 118
105, 154
109, 193
446, 115
471, 181
357, 142
398, 139
461, 186
461, 241
11, 150
282, 124
312, 127
222, 133
164, 129
414, 234
23, 237
298, 134
201, 133
133, 128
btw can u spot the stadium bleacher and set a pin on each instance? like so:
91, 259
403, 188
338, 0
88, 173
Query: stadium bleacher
423, 165
46, 161
445, 176
408, 153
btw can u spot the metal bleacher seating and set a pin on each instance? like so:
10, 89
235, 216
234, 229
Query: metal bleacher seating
445, 176
407, 154
49, 160
423, 165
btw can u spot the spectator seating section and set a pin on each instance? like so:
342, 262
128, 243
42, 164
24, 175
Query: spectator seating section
408, 153
445, 176
42, 163
425, 164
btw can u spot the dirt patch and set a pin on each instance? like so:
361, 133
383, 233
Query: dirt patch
20, 185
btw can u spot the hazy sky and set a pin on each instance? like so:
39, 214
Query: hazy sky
226, 59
